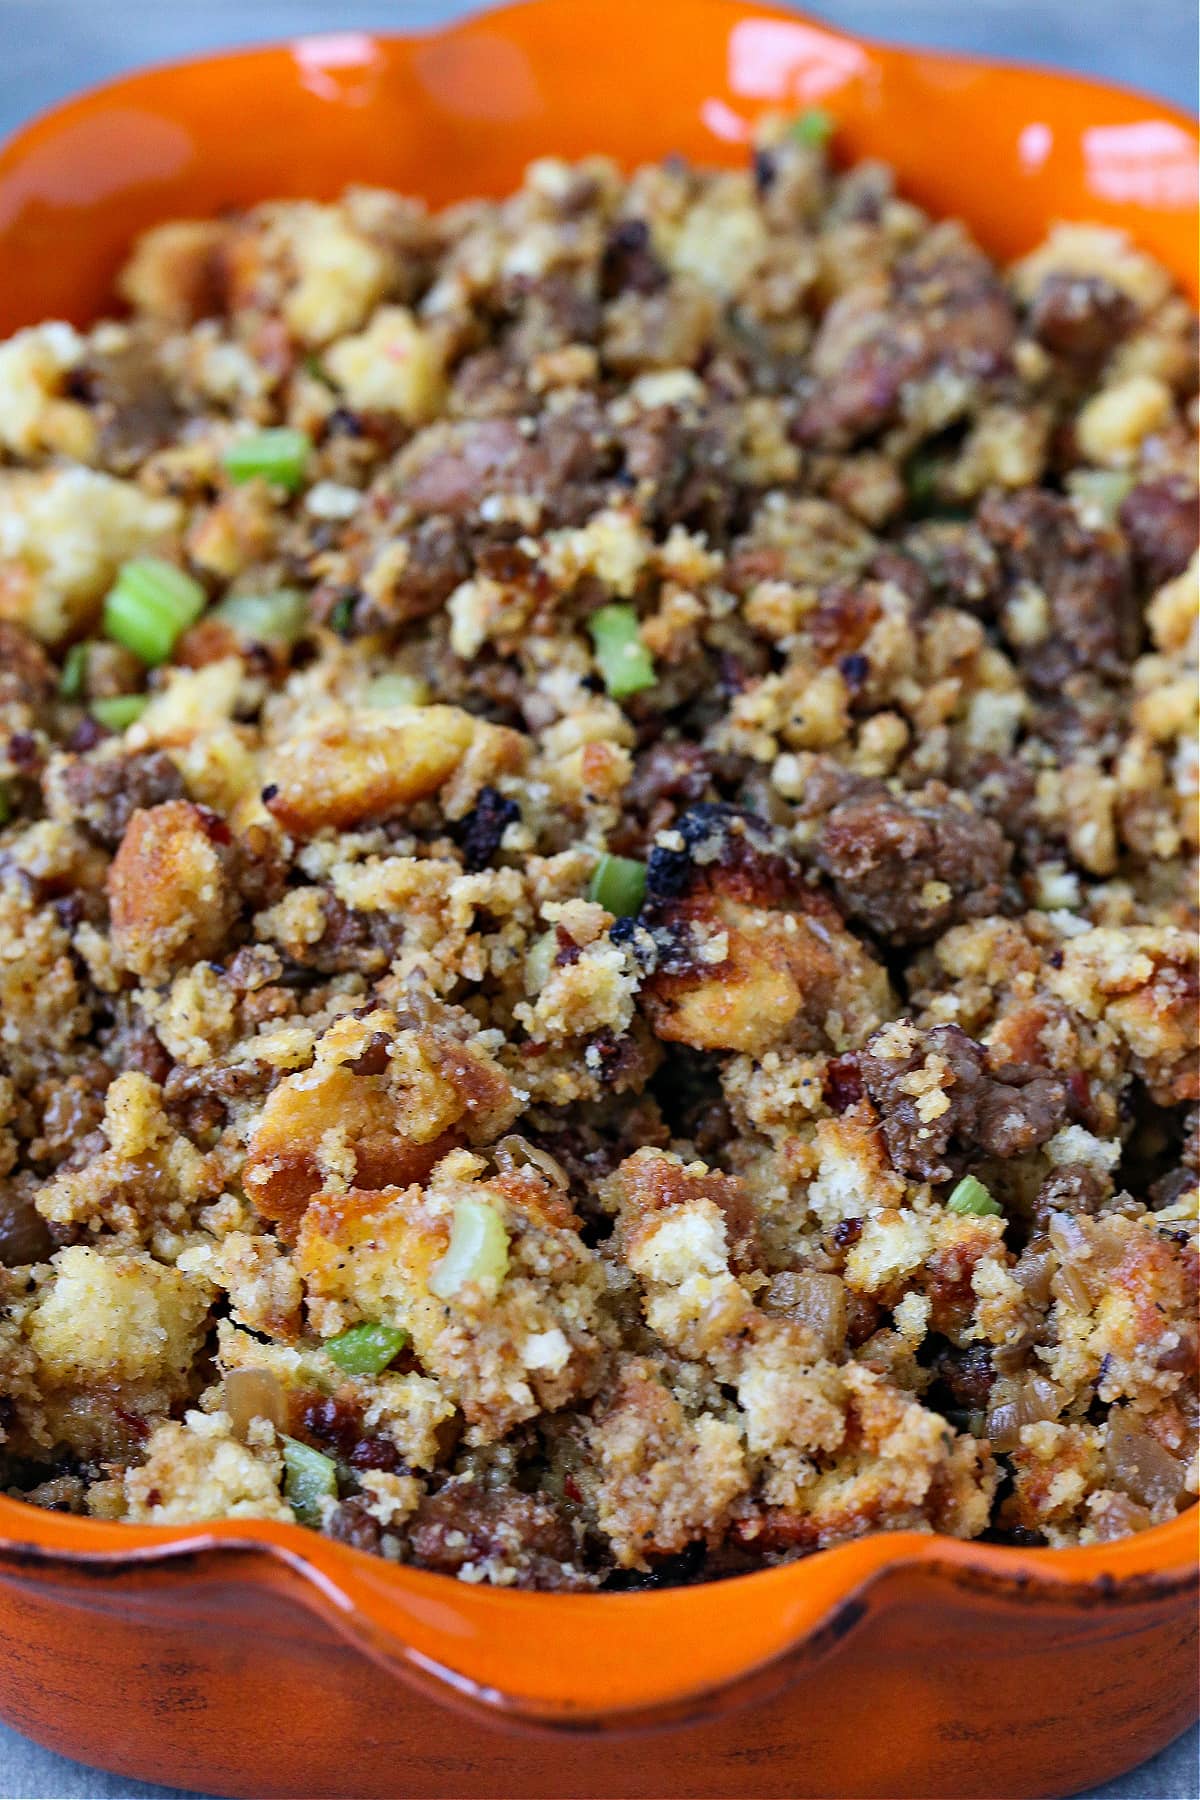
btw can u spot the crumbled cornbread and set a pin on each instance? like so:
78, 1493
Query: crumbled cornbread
616, 1000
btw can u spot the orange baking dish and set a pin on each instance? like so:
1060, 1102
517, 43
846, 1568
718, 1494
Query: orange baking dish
262, 1659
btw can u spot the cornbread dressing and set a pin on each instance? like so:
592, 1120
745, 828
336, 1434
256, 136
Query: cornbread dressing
618, 1003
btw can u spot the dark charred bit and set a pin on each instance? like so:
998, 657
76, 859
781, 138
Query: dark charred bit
636, 937
683, 1569
990, 1112
716, 838
478, 834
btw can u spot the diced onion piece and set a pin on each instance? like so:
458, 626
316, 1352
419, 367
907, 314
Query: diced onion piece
150, 605
1016, 1403
477, 1252
1002, 1427
1034, 1270
279, 455
397, 689
248, 1394
309, 1478
366, 1349
971, 1200
1137, 1464
813, 1299
618, 884
514, 1153
625, 662
259, 618
1080, 1279
1118, 1516
119, 710
813, 126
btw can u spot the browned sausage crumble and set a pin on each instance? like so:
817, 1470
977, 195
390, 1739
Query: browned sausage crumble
616, 1002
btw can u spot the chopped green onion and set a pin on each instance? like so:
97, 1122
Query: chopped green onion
279, 455
625, 662
366, 1349
397, 690
971, 1200
5, 804
814, 126
477, 1252
70, 682
309, 1477
150, 605
618, 884
119, 710
261, 617
341, 615
921, 479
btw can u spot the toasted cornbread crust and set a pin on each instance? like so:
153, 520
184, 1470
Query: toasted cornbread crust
303, 980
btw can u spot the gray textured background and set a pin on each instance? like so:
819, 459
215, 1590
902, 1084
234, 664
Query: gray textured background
50, 47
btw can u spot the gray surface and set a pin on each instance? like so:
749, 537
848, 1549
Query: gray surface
50, 47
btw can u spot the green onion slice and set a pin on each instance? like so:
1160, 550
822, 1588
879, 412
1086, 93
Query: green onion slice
6, 809
813, 126
971, 1199
150, 605
618, 884
366, 1349
119, 710
279, 455
308, 1478
625, 662
397, 689
262, 617
477, 1252
70, 682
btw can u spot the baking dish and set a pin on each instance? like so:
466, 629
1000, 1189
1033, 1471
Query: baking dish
262, 1659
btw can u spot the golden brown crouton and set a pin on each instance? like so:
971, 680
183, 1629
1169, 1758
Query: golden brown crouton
358, 770
168, 889
503, 1346
378, 1108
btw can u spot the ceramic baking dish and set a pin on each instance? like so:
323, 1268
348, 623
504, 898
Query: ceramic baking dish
265, 1660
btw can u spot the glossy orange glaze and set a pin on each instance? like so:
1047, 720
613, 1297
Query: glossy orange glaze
263, 1659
